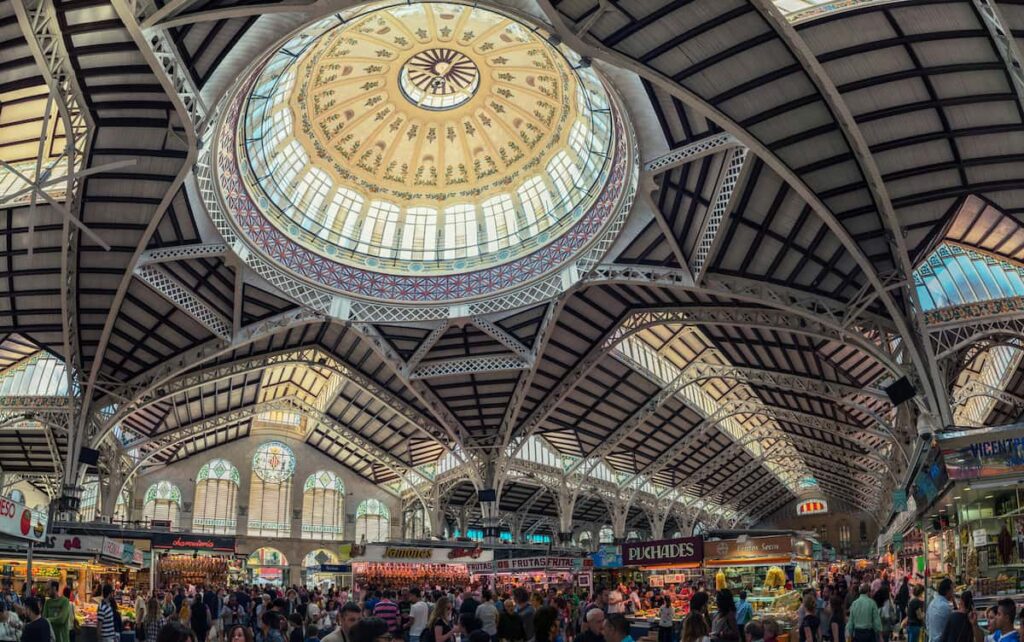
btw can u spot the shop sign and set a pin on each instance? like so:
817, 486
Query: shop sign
661, 581
412, 555
685, 550
194, 542
112, 549
816, 551
812, 507
542, 563
980, 537
335, 568
983, 453
131, 555
607, 556
21, 522
750, 549
897, 542
463, 553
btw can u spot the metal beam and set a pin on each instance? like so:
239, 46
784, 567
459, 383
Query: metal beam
182, 296
690, 152
733, 174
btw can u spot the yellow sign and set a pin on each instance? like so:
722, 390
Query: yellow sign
408, 553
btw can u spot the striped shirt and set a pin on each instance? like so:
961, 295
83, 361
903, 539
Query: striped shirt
388, 611
105, 621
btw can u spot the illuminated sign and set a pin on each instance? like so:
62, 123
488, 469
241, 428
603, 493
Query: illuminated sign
812, 507
687, 550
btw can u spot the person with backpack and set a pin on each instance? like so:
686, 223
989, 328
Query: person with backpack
887, 612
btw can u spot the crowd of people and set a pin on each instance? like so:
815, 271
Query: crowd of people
845, 608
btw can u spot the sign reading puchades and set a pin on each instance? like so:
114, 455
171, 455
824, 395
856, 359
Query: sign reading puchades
812, 507
684, 550
185, 542
21, 522
983, 452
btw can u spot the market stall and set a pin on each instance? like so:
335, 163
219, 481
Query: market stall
670, 566
772, 570
191, 560
403, 566
533, 573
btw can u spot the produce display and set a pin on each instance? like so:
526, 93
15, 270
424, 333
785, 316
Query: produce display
681, 612
85, 613
185, 570
775, 578
385, 575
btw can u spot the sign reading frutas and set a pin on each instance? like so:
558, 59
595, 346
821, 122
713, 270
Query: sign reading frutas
685, 550
812, 507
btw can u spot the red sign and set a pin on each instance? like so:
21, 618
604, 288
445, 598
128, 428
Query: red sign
812, 507
193, 542
472, 553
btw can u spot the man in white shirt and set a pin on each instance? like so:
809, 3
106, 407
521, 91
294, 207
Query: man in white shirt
348, 616
419, 611
487, 613
616, 603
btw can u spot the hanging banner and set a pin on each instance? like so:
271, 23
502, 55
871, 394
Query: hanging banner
214, 543
21, 522
684, 550
899, 500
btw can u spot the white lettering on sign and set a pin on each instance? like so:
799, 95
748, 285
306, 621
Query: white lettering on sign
656, 553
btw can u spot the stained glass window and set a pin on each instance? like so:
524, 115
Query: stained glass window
162, 502
270, 503
216, 498
605, 535
373, 521
319, 556
323, 516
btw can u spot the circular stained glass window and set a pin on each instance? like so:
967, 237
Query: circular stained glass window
424, 152
273, 462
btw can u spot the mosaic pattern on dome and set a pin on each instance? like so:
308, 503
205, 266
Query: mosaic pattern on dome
506, 148
273, 462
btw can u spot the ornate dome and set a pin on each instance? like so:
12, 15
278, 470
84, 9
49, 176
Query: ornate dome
423, 153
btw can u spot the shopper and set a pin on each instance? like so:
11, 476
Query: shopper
724, 627
239, 633
837, 619
744, 611
616, 629
152, 621
592, 627
348, 617
57, 611
939, 611
440, 626
105, 616
915, 614
10, 624
887, 612
487, 613
525, 610
419, 613
695, 626
371, 629
387, 609
957, 627
865, 623
810, 625
546, 624
902, 601
1006, 613
666, 617
510, 626
200, 619
37, 629
754, 632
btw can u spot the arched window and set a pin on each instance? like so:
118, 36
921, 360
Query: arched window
844, 536
633, 536
417, 526
863, 531
162, 502
677, 534
216, 498
17, 496
270, 497
605, 535
267, 565
323, 515
584, 540
319, 556
373, 521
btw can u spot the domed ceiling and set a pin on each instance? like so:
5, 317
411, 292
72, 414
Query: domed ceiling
425, 153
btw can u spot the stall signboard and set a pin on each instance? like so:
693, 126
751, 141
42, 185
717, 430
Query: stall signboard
131, 556
217, 544
684, 550
983, 453
899, 500
980, 537
661, 581
607, 556
735, 551
20, 522
522, 564
335, 568
413, 555
82, 545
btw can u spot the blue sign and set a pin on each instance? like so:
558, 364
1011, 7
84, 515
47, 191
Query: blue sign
335, 568
899, 500
608, 556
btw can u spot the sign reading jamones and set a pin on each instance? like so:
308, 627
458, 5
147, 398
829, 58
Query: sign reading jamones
194, 542
684, 550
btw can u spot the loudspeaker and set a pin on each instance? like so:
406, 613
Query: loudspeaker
88, 456
900, 390
488, 495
